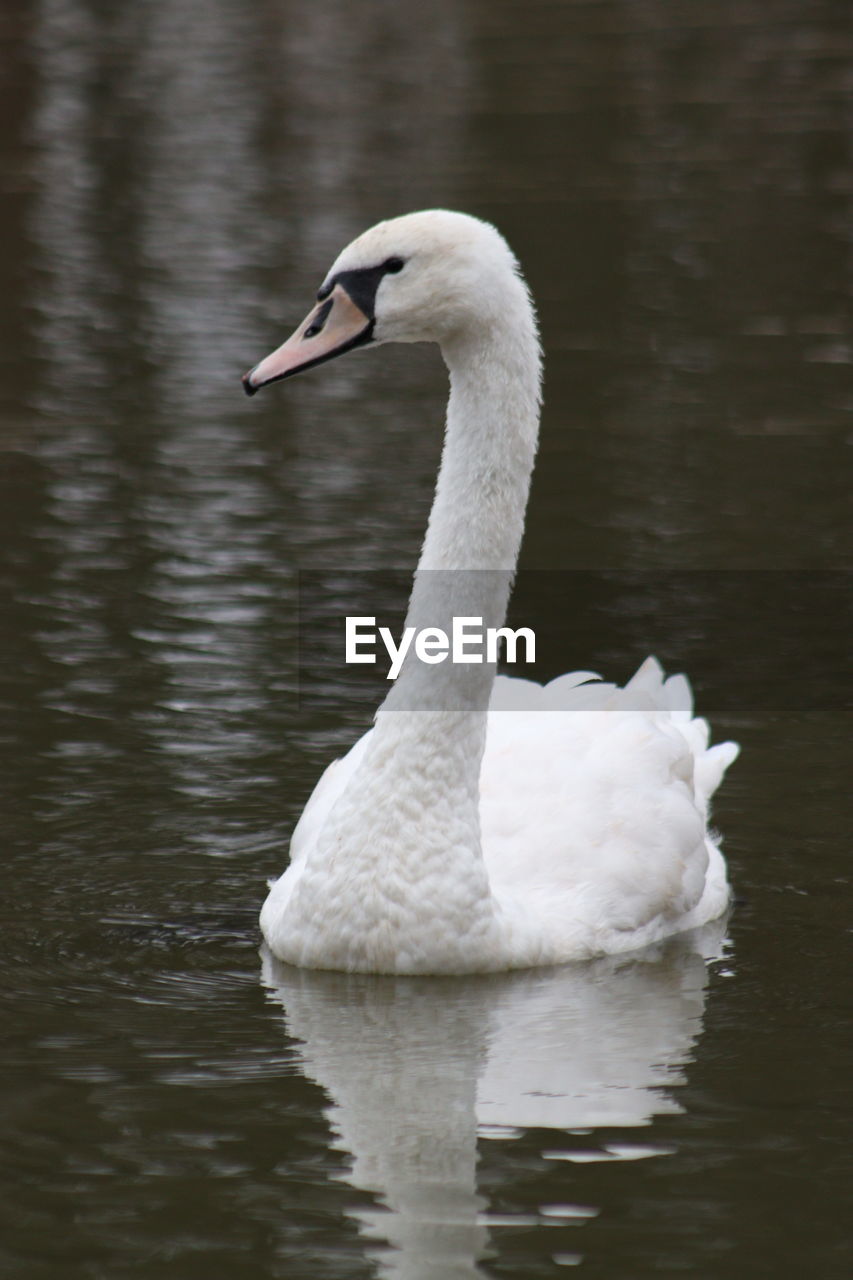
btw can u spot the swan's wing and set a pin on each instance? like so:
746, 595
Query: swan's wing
647, 690
511, 693
594, 812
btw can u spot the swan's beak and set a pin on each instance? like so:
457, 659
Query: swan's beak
337, 324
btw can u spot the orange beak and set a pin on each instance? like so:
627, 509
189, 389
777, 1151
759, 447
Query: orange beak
335, 325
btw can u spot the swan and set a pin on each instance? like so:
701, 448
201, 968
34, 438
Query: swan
486, 823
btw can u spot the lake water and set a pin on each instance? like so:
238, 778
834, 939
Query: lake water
176, 177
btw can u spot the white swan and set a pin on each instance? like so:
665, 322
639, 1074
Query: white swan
508, 825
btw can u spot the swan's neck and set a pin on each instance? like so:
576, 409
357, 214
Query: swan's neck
399, 855
477, 518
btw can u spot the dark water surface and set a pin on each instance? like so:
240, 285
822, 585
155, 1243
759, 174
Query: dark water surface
176, 178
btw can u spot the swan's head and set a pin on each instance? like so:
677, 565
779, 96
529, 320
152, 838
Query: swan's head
424, 277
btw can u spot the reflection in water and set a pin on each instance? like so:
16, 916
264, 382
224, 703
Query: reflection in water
417, 1068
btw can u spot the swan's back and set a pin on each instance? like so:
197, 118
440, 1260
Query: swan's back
594, 810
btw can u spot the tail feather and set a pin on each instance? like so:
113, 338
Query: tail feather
711, 766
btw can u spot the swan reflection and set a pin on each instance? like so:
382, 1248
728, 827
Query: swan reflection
417, 1068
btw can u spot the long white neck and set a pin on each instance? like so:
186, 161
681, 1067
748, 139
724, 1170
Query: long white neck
402, 885
477, 519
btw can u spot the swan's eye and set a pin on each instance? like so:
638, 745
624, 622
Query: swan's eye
393, 265
316, 325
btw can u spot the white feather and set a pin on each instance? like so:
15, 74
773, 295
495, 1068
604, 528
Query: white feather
485, 823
